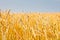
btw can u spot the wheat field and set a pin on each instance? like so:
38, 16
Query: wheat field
29, 26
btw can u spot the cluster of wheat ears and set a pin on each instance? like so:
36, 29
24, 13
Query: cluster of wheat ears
29, 26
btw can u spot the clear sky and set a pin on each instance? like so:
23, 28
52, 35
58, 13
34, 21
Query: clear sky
31, 5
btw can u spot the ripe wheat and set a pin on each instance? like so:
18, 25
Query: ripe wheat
29, 26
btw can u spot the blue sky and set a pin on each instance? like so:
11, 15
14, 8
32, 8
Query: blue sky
31, 5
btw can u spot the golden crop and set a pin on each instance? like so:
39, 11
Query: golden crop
29, 26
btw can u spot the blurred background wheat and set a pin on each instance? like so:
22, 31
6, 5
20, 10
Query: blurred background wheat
29, 26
